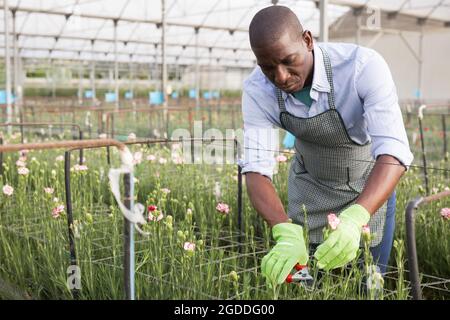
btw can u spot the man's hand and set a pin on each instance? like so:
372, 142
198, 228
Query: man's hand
342, 245
289, 250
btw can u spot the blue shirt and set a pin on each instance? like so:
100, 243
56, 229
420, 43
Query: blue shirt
365, 95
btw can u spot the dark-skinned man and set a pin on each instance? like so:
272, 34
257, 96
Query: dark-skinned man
340, 102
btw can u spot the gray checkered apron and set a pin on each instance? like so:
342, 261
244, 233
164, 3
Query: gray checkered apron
329, 169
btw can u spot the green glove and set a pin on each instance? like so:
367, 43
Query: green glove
289, 250
343, 243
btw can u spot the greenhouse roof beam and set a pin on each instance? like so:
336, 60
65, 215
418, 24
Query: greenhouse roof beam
351, 4
68, 37
77, 59
105, 52
133, 20
64, 24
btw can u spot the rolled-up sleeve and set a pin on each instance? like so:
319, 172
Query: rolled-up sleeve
382, 113
261, 139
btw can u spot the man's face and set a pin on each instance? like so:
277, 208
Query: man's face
287, 63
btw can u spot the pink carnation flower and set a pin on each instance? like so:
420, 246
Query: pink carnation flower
79, 167
151, 217
366, 233
445, 213
333, 221
365, 230
281, 158
56, 212
24, 152
137, 157
20, 163
223, 208
8, 190
189, 246
49, 190
23, 171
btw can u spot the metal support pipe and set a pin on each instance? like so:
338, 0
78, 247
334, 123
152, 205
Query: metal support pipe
358, 19
197, 72
239, 195
444, 137
323, 7
128, 262
80, 137
21, 128
420, 67
424, 157
93, 73
164, 66
1, 157
163, 53
73, 256
108, 156
52, 75
80, 82
210, 87
131, 77
116, 66
7, 65
112, 131
412, 250
16, 66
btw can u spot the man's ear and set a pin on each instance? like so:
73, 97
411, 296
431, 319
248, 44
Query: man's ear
308, 39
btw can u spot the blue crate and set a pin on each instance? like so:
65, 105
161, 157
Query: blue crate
207, 95
3, 97
155, 97
129, 95
215, 94
88, 94
192, 93
110, 97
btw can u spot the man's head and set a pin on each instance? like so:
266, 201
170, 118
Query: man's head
282, 49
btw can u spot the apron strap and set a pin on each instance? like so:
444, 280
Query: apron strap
326, 61
280, 100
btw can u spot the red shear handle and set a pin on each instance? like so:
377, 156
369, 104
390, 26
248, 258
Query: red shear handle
289, 278
297, 267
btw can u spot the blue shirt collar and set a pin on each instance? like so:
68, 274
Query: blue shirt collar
320, 81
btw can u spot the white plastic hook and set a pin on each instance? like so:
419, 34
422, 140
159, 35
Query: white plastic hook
421, 108
136, 214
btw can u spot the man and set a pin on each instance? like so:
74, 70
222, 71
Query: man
340, 102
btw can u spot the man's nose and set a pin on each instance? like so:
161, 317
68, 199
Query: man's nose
281, 75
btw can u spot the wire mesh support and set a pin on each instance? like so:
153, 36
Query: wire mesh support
411, 241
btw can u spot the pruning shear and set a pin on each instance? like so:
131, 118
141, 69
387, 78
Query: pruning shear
301, 276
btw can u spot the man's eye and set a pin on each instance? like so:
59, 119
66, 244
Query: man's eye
266, 67
289, 61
